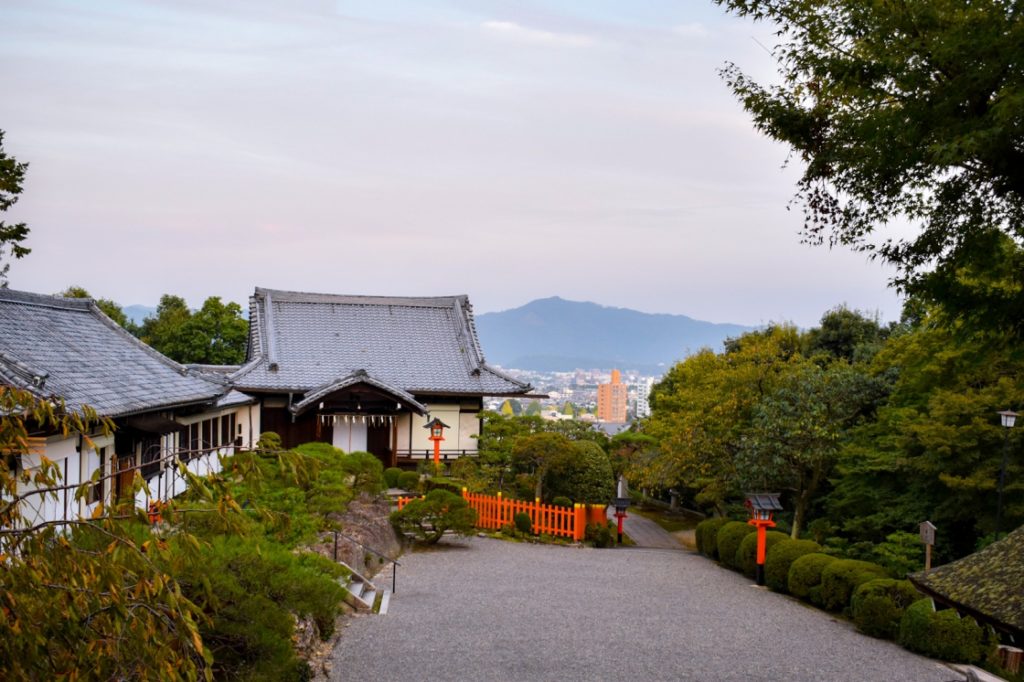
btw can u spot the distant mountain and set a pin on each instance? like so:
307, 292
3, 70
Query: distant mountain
552, 334
137, 313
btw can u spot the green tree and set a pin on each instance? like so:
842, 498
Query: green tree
582, 472
216, 334
904, 111
428, 518
12, 174
110, 308
533, 454
846, 334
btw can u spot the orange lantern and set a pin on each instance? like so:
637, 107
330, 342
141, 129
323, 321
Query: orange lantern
437, 428
762, 507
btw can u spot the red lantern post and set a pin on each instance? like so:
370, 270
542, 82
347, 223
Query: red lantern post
437, 428
762, 508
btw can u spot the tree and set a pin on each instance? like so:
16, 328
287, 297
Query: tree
582, 472
904, 111
428, 518
846, 334
110, 308
533, 455
12, 174
216, 334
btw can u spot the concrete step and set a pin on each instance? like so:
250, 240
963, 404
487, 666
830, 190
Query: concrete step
360, 593
385, 601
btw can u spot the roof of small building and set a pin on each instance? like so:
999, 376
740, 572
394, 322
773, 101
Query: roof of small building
986, 584
66, 347
422, 345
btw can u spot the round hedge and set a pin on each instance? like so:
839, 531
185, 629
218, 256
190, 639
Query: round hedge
729, 538
804, 579
878, 605
941, 634
409, 480
840, 578
391, 475
707, 536
780, 557
746, 555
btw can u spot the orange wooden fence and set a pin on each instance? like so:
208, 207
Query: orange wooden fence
494, 512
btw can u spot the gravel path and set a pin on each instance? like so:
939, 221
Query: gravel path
646, 533
482, 609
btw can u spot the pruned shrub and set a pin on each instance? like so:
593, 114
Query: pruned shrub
464, 468
524, 524
840, 578
729, 538
941, 634
391, 475
878, 605
805, 576
707, 536
601, 534
366, 471
428, 518
562, 501
582, 472
746, 555
781, 556
409, 480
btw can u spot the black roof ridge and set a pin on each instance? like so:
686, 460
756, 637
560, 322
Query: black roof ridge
283, 295
55, 301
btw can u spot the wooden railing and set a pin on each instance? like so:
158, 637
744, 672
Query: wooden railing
495, 512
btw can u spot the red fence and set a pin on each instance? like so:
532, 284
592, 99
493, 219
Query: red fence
495, 512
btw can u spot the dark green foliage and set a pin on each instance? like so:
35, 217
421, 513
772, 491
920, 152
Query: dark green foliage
729, 538
12, 174
365, 471
707, 535
780, 557
215, 334
464, 468
524, 524
841, 577
409, 480
581, 472
427, 519
746, 555
391, 475
561, 501
442, 484
941, 634
601, 534
878, 605
254, 587
805, 576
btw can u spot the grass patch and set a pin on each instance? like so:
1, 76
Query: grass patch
670, 521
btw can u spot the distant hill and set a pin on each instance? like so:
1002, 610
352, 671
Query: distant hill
552, 334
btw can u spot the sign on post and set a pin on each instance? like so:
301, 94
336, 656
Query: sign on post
928, 538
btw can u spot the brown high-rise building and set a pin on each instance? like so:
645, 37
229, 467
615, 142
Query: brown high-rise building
612, 400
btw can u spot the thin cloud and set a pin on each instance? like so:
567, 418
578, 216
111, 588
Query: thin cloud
691, 30
513, 31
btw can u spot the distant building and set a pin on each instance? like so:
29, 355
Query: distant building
643, 398
612, 399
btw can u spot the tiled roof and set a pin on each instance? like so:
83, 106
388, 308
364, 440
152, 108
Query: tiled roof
986, 584
354, 379
65, 347
423, 345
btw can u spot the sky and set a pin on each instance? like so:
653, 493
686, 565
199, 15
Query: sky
505, 150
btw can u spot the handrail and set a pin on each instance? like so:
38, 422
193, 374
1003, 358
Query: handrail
394, 571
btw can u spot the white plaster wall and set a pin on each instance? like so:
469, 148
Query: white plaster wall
44, 507
469, 429
404, 421
446, 412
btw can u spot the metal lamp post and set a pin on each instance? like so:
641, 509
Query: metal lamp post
1008, 418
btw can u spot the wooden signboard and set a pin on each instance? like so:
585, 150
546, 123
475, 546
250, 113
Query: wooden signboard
928, 538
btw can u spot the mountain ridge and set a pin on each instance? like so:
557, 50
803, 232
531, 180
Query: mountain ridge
555, 334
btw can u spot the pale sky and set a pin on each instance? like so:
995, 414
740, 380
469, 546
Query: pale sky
506, 150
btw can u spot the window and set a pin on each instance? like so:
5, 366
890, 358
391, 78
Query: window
151, 453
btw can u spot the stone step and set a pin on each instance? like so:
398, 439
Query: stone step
385, 601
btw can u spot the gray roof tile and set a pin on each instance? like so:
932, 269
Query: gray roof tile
423, 345
68, 348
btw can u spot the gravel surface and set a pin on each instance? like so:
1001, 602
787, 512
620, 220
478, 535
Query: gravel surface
481, 609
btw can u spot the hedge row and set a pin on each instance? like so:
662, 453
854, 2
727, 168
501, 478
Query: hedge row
879, 605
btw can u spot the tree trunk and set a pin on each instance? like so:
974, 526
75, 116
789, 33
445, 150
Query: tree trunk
798, 514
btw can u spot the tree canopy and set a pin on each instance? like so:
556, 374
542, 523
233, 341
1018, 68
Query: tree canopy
216, 334
110, 308
905, 112
12, 235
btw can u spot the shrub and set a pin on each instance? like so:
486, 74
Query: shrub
780, 557
941, 634
366, 471
409, 480
524, 524
729, 538
746, 555
840, 578
427, 519
391, 475
464, 468
601, 534
804, 579
878, 605
707, 536
442, 484
582, 472
269, 440
562, 501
